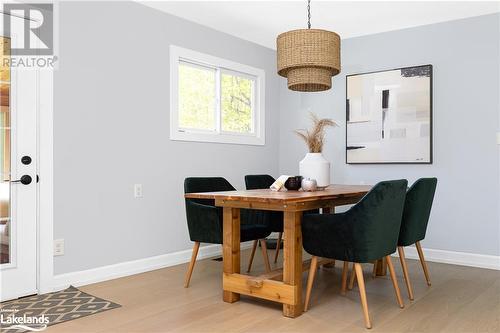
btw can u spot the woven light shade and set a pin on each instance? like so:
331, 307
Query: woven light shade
308, 58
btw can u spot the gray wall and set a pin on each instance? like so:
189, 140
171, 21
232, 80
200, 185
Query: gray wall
112, 118
111, 130
466, 60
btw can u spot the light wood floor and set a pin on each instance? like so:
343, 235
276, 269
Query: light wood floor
461, 299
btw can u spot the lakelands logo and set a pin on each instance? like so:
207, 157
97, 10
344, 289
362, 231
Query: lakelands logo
9, 321
31, 29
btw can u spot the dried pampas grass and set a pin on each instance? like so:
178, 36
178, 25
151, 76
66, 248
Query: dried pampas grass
315, 137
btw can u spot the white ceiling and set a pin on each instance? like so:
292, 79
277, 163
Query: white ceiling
262, 21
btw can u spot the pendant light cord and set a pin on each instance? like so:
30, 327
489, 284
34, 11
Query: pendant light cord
308, 14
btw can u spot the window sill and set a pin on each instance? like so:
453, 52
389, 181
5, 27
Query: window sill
218, 138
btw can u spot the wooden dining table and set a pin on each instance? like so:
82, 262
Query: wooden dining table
281, 285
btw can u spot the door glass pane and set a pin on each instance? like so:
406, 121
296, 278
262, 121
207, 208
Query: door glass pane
196, 97
5, 237
236, 108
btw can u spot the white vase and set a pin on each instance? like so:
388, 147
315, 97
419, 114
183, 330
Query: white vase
315, 166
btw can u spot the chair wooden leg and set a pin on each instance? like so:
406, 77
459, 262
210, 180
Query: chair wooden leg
362, 294
344, 278
402, 259
278, 246
352, 277
422, 261
374, 272
380, 267
196, 247
310, 280
394, 281
254, 247
330, 264
263, 246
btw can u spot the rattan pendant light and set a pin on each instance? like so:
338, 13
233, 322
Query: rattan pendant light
308, 58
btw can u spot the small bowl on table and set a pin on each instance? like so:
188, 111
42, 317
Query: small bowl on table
293, 183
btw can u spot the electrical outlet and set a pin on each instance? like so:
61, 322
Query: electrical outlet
58, 247
137, 190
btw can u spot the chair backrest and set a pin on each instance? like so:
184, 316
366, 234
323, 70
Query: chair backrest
255, 182
206, 184
376, 220
272, 219
416, 211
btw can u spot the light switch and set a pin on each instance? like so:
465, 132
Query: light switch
58, 247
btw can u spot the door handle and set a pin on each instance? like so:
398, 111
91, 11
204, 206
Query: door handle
25, 180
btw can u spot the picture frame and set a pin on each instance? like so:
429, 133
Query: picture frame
389, 116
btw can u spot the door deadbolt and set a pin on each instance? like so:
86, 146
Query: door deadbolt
26, 160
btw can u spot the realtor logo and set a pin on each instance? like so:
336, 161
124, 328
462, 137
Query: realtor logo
35, 21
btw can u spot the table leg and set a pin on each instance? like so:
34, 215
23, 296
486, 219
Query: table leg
231, 247
292, 262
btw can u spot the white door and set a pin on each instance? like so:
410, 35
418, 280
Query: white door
18, 179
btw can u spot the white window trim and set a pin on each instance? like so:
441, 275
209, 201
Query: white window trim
257, 138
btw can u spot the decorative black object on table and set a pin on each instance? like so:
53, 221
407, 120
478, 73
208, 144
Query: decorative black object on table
293, 183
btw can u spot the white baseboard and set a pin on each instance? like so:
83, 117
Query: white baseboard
455, 258
115, 271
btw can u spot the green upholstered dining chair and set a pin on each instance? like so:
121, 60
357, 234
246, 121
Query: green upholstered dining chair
416, 214
274, 220
366, 232
205, 223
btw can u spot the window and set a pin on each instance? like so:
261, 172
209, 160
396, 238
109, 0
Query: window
215, 100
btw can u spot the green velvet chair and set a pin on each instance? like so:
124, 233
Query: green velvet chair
416, 214
205, 223
368, 231
274, 220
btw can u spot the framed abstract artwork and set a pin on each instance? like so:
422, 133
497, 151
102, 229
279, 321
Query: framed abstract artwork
389, 116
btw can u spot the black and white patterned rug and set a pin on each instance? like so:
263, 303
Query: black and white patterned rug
35, 313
